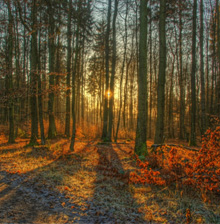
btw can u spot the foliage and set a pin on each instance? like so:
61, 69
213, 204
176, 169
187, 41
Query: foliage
207, 167
165, 166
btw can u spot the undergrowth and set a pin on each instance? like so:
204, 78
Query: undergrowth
166, 167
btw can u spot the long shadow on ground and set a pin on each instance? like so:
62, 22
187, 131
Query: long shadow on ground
25, 199
113, 199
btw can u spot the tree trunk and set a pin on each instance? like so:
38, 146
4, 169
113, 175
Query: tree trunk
193, 80
73, 91
33, 74
181, 80
151, 74
203, 103
112, 81
105, 116
122, 75
141, 132
40, 97
218, 51
9, 76
67, 123
159, 136
52, 126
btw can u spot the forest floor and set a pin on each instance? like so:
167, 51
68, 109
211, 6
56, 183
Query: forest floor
49, 184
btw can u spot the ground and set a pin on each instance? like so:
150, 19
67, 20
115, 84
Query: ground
49, 184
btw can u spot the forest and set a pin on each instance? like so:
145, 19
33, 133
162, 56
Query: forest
109, 111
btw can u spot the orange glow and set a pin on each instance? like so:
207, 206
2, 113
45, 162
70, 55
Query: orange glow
108, 93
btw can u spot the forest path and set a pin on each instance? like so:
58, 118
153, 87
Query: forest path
41, 185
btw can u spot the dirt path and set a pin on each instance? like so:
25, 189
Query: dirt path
25, 200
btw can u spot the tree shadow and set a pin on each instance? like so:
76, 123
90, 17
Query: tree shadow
24, 198
124, 151
113, 196
34, 197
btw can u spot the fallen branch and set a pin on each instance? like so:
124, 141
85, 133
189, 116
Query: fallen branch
155, 146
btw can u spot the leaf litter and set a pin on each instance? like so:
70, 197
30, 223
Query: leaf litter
49, 184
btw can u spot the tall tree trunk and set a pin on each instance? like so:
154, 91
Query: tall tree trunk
141, 132
105, 115
170, 113
52, 126
122, 75
9, 75
67, 123
218, 51
207, 79
33, 74
40, 97
151, 74
82, 82
18, 75
112, 81
73, 90
181, 79
202, 76
193, 80
162, 75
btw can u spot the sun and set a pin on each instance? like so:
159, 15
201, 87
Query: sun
108, 93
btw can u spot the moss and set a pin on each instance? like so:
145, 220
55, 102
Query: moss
141, 150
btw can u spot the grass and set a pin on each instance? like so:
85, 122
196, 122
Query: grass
94, 178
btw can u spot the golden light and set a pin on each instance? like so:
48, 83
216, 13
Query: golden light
108, 93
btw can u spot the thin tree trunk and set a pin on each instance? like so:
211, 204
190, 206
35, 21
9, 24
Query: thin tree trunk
181, 80
52, 126
218, 51
40, 104
33, 74
69, 37
151, 74
193, 80
105, 116
73, 91
170, 113
203, 103
112, 81
159, 136
122, 74
9, 76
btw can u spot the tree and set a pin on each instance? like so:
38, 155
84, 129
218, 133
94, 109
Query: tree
112, 80
181, 79
40, 98
52, 125
141, 132
69, 39
33, 75
159, 136
122, 72
9, 73
105, 114
193, 80
203, 103
218, 52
